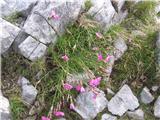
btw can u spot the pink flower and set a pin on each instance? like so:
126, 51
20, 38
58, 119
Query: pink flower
108, 58
95, 82
65, 58
58, 113
45, 118
99, 35
80, 88
54, 15
67, 86
72, 107
100, 57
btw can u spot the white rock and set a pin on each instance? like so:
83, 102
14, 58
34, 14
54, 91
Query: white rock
136, 115
4, 108
87, 106
38, 53
145, 96
155, 88
103, 12
8, 7
157, 108
108, 117
124, 100
37, 26
28, 46
23, 81
119, 4
120, 48
110, 65
29, 92
7, 35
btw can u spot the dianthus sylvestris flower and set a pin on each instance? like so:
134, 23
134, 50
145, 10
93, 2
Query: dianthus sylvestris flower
58, 113
67, 86
45, 118
99, 35
108, 58
65, 58
80, 88
95, 82
100, 57
72, 107
54, 15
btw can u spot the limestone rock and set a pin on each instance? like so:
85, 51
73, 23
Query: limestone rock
88, 106
29, 92
37, 24
136, 115
28, 46
124, 100
11, 6
102, 12
120, 48
7, 35
155, 88
157, 108
4, 108
145, 96
108, 117
38, 53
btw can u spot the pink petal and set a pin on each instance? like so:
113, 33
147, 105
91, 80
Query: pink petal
67, 86
58, 114
65, 58
95, 82
80, 88
72, 107
54, 15
45, 118
99, 35
108, 58
100, 57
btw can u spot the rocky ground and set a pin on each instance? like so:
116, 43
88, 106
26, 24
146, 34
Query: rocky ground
80, 60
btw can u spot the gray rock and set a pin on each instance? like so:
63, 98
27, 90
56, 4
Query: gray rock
108, 117
23, 81
7, 35
145, 96
74, 79
120, 48
37, 26
155, 88
18, 40
118, 4
29, 92
157, 108
38, 53
11, 6
102, 12
28, 46
87, 106
61, 119
4, 108
124, 100
136, 115
108, 69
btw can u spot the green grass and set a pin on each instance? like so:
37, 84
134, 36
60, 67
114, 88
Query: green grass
137, 65
13, 18
17, 108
